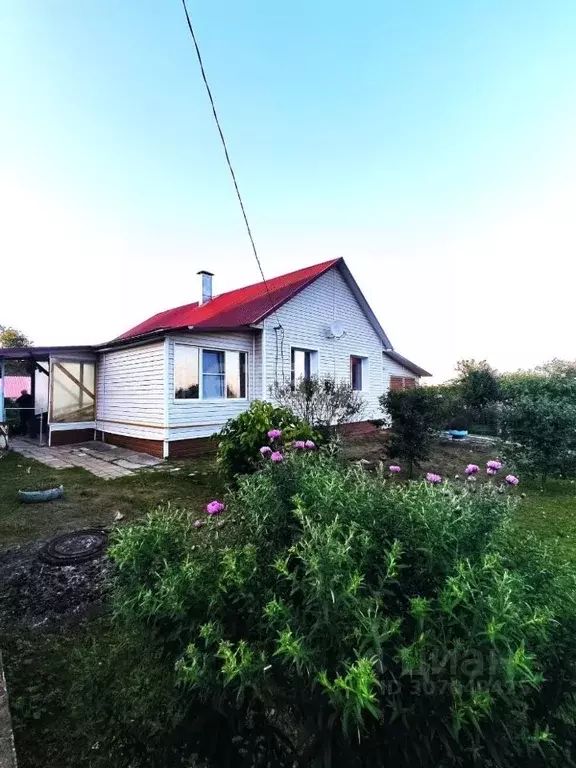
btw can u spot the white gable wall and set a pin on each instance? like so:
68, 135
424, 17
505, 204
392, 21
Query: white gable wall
306, 320
392, 368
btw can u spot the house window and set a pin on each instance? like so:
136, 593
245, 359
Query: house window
304, 364
357, 368
402, 382
186, 380
209, 374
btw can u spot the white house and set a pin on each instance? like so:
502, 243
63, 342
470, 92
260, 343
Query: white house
168, 384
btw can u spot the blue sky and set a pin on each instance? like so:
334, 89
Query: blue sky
433, 145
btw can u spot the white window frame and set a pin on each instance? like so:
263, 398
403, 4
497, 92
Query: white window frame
314, 359
201, 398
365, 371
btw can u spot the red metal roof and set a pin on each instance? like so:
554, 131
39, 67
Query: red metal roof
235, 309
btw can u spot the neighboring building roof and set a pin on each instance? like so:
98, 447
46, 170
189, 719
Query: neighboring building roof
13, 385
40, 353
406, 363
234, 309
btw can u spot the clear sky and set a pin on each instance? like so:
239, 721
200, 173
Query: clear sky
432, 144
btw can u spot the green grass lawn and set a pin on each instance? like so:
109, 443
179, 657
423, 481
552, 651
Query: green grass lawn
90, 501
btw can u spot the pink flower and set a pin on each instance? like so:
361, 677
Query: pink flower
512, 480
494, 464
432, 478
300, 444
265, 450
491, 471
274, 434
310, 444
277, 456
394, 468
471, 469
215, 507
198, 524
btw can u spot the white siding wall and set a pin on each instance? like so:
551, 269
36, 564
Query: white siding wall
130, 391
201, 418
306, 320
392, 368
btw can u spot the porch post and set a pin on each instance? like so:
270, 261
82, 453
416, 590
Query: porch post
2, 384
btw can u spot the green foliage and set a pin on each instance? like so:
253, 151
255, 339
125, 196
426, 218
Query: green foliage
416, 415
478, 383
11, 337
355, 622
540, 434
322, 402
242, 437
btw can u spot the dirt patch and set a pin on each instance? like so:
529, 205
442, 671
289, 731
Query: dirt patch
36, 595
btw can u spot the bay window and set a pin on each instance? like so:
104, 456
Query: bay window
209, 374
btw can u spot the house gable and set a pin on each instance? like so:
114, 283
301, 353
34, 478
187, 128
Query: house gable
305, 322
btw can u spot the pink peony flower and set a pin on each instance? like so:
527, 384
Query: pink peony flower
265, 450
274, 434
198, 524
432, 478
394, 468
491, 471
512, 480
215, 507
471, 469
310, 444
277, 456
494, 464
299, 444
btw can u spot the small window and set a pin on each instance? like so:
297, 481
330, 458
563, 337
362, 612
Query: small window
357, 372
400, 382
186, 381
304, 364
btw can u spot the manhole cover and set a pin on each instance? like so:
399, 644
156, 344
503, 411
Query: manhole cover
74, 547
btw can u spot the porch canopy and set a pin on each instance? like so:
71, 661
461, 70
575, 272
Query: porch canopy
61, 394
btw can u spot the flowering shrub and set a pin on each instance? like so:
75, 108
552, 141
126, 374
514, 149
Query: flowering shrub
248, 435
333, 600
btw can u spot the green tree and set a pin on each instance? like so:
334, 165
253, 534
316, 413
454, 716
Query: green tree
478, 383
415, 415
12, 337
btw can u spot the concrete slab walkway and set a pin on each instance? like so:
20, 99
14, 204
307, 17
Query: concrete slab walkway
101, 459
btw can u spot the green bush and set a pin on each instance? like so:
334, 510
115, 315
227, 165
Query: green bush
540, 435
242, 437
348, 621
416, 416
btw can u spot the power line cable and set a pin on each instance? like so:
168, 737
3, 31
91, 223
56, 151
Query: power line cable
228, 161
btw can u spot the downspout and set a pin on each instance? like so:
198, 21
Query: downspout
2, 380
165, 441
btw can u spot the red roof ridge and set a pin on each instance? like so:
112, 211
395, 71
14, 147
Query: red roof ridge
238, 308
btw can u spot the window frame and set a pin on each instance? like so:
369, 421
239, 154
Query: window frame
364, 372
313, 362
201, 398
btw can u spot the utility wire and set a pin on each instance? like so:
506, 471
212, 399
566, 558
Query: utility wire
228, 161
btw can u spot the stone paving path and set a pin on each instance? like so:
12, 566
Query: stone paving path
101, 459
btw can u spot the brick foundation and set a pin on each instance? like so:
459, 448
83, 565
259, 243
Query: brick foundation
190, 449
71, 436
153, 447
